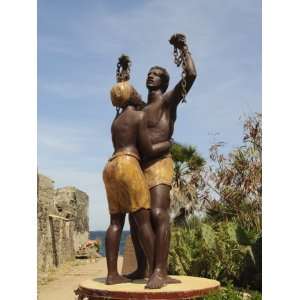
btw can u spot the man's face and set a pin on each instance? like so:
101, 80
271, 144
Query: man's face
154, 79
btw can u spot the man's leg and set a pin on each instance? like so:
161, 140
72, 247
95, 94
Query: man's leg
140, 272
160, 203
145, 232
112, 243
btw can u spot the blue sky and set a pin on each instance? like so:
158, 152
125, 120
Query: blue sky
78, 46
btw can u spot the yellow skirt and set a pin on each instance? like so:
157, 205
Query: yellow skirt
125, 184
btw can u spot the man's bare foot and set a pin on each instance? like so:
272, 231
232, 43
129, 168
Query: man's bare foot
115, 279
156, 281
137, 274
170, 280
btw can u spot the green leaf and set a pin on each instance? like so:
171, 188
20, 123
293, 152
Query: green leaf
248, 251
209, 235
246, 237
231, 229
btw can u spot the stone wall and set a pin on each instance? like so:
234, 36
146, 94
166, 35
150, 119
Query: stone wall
73, 203
45, 206
62, 223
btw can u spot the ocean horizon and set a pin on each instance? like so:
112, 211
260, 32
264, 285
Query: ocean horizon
100, 235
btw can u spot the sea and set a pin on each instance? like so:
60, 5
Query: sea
94, 235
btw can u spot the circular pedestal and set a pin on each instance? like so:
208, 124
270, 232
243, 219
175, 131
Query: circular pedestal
190, 287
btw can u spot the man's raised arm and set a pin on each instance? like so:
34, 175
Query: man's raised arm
176, 95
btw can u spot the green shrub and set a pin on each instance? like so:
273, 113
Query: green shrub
226, 244
230, 293
224, 252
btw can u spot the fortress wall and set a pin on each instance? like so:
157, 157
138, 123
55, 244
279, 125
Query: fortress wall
45, 206
62, 223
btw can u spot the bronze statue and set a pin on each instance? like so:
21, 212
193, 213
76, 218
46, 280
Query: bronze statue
126, 188
128, 179
158, 123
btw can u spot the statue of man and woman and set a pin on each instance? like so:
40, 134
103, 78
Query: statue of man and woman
139, 174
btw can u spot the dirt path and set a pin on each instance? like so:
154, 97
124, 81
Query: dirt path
66, 279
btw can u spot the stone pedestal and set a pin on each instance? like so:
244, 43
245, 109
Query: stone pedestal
129, 258
190, 287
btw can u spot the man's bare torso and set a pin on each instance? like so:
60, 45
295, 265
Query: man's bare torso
160, 120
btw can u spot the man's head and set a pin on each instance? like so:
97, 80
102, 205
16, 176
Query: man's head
158, 78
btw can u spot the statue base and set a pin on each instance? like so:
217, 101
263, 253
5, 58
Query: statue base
190, 287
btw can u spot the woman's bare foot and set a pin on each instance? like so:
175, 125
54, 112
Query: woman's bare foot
157, 280
115, 279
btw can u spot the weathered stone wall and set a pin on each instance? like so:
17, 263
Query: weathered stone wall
73, 203
62, 223
45, 207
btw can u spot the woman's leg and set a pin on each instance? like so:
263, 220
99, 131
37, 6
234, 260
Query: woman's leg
112, 243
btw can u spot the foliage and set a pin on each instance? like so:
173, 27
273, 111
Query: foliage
236, 181
223, 251
230, 293
206, 251
186, 185
225, 244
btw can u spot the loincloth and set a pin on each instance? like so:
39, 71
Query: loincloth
125, 184
159, 171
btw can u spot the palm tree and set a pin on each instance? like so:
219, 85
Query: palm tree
186, 182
